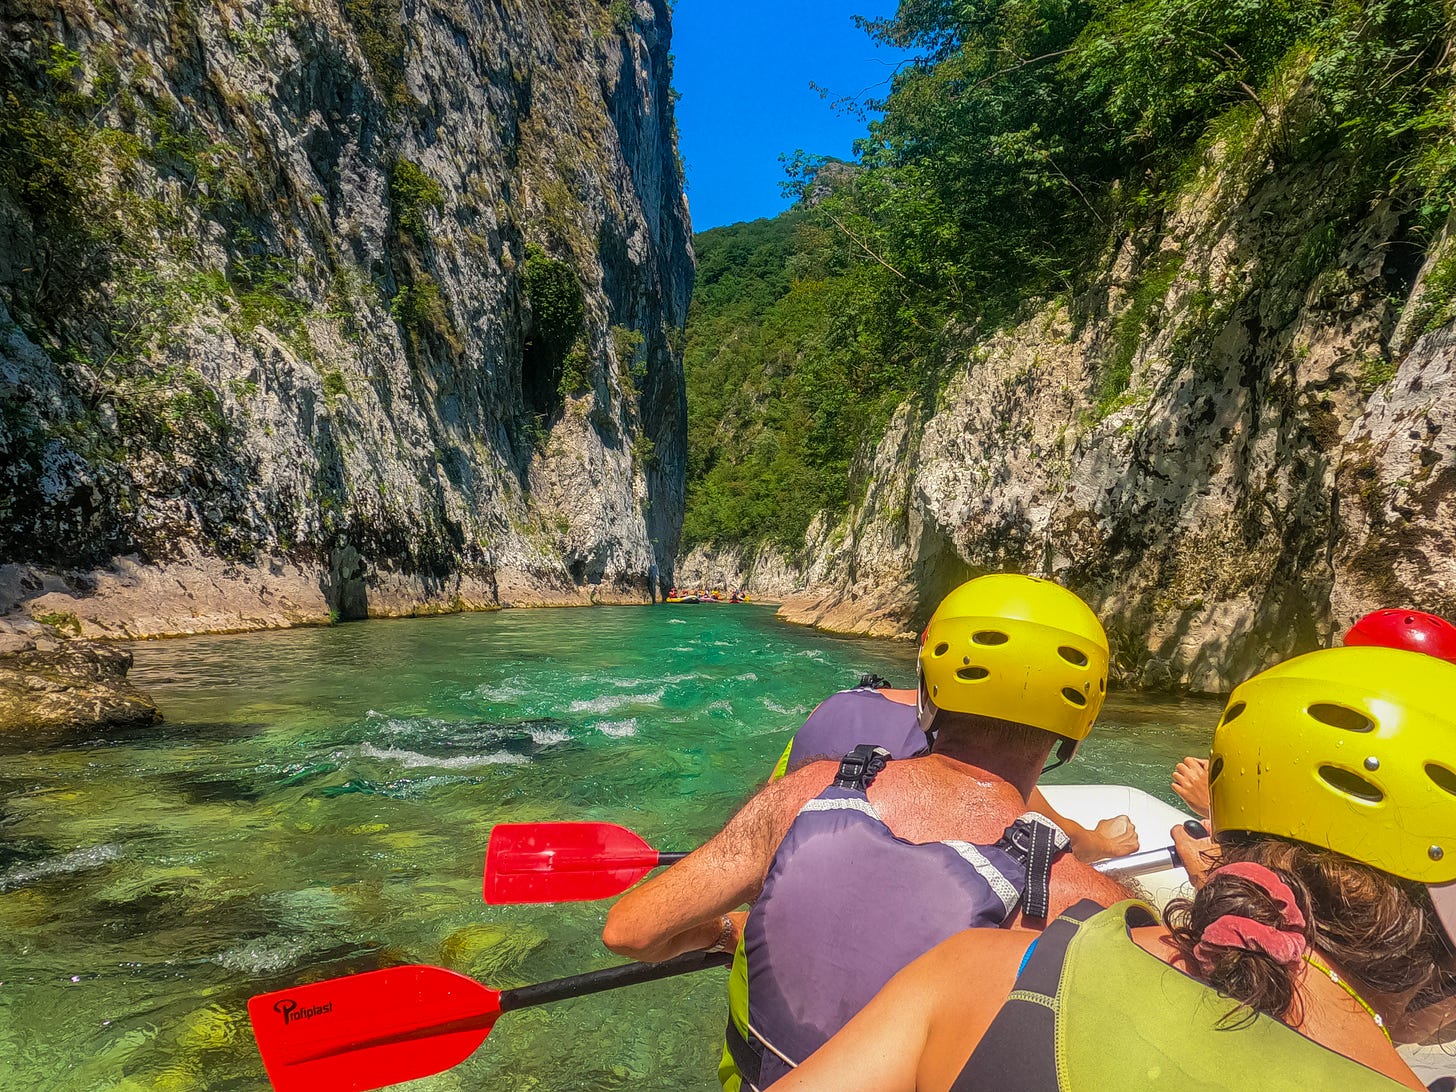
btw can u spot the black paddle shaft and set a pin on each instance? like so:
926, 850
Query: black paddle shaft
609, 978
669, 858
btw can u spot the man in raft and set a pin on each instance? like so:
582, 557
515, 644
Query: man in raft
874, 712
1333, 904
860, 866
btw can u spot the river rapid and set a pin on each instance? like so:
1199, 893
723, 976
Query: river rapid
318, 803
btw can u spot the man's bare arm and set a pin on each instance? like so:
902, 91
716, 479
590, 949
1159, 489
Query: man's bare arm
680, 910
1114, 837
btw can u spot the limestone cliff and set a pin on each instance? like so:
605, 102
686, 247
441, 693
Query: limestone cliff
1237, 440
316, 308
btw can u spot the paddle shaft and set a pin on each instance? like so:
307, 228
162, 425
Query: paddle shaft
609, 978
1140, 864
594, 862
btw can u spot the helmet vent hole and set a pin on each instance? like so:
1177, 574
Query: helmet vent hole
972, 674
1076, 697
1073, 655
1337, 716
1444, 778
1234, 711
990, 637
1351, 784
1215, 769
941, 649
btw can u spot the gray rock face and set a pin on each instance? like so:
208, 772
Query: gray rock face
314, 367
1235, 443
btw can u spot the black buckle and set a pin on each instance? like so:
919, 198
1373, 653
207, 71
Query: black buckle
859, 768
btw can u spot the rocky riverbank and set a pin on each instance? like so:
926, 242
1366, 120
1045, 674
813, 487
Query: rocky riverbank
54, 687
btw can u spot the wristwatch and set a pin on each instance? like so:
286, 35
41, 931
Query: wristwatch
725, 938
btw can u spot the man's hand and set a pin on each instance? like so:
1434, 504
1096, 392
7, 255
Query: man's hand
1115, 837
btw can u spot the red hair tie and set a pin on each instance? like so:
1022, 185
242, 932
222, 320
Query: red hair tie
1283, 943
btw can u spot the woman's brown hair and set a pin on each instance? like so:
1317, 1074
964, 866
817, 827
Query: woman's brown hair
1373, 927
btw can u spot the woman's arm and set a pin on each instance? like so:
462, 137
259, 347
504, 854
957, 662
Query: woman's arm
917, 1032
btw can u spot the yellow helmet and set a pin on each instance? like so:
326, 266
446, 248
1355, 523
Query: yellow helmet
1352, 749
1016, 648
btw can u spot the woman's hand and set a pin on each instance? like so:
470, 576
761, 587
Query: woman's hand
1199, 855
1190, 782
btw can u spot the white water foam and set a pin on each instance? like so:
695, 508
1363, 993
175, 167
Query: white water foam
549, 737
677, 621
746, 677
266, 955
508, 691
413, 760
608, 702
78, 860
774, 707
618, 729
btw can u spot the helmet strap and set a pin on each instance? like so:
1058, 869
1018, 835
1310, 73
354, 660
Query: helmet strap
1065, 750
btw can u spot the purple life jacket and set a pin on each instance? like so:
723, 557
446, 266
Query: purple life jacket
843, 721
846, 904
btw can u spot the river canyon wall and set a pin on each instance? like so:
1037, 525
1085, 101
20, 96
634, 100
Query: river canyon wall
317, 309
1234, 442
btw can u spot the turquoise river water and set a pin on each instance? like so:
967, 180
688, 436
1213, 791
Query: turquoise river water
318, 803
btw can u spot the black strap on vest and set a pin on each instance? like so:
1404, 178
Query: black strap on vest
1037, 842
747, 1054
859, 768
1018, 1052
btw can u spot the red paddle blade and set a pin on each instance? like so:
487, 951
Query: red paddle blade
369, 1030
563, 862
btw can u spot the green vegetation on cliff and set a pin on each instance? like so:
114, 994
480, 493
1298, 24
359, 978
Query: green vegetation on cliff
789, 365
1030, 140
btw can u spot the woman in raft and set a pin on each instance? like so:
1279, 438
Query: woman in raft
1333, 782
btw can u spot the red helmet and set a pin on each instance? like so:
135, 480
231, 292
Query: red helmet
1413, 630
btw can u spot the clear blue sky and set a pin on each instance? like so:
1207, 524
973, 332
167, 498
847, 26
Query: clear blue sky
744, 69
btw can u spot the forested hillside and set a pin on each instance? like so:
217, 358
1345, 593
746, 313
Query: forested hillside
768, 437
1139, 293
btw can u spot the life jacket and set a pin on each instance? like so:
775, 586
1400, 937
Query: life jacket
843, 721
1091, 1011
846, 904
